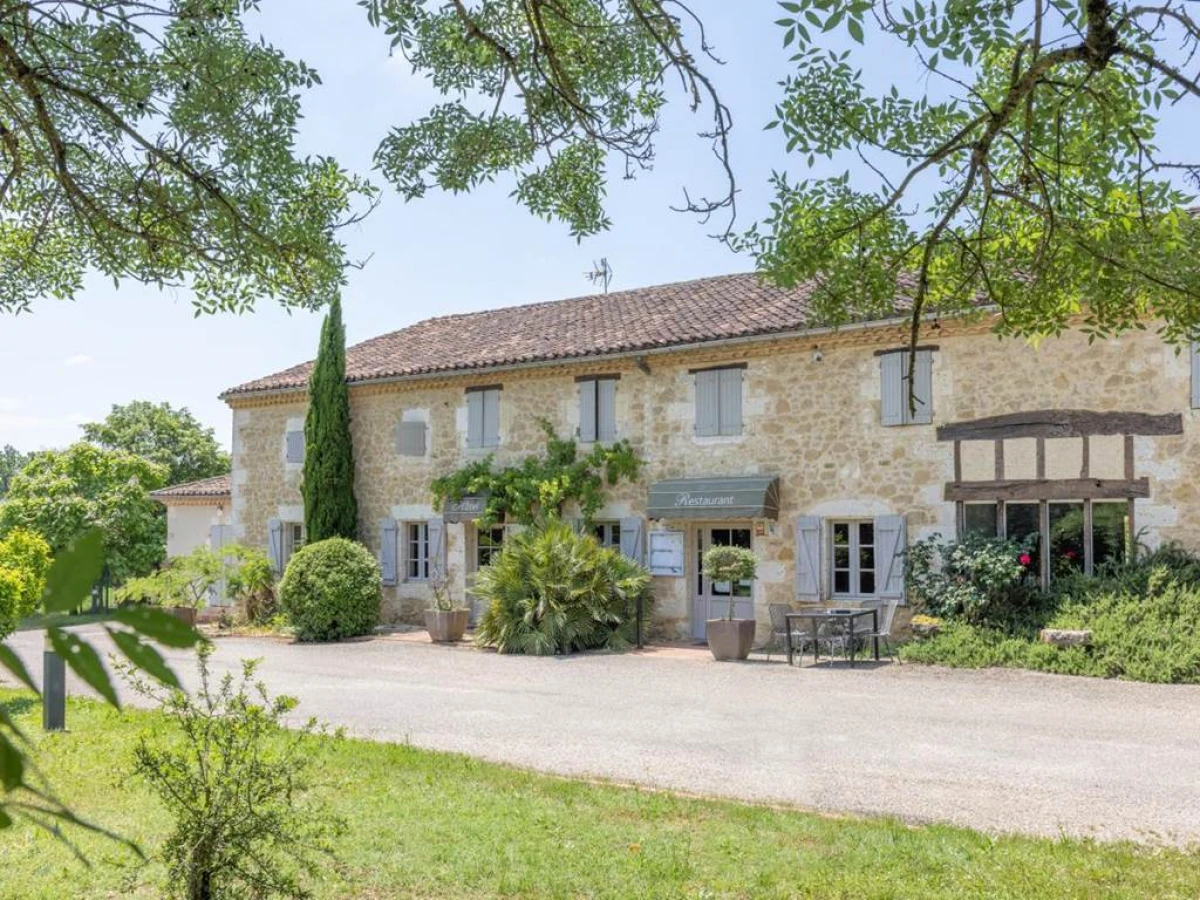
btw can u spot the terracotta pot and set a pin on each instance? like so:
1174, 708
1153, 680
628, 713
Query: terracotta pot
730, 638
185, 614
446, 626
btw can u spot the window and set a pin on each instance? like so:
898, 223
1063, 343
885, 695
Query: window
980, 518
293, 540
1067, 539
598, 409
416, 551
894, 369
483, 417
719, 401
853, 545
608, 534
410, 438
724, 537
488, 544
295, 446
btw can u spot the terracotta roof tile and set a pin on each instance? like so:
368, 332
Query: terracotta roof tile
217, 486
668, 315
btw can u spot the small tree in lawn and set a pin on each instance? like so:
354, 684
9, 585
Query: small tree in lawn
731, 564
330, 509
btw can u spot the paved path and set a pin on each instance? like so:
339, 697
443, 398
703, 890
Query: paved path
997, 750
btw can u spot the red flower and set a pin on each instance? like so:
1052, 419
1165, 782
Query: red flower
1070, 554
1025, 559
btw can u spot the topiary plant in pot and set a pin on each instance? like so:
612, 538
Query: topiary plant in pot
445, 621
730, 638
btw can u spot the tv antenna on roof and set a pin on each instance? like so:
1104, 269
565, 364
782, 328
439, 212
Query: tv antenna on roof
601, 273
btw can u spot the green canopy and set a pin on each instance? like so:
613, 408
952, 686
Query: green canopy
744, 497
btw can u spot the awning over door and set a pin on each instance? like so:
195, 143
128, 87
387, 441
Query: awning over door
745, 497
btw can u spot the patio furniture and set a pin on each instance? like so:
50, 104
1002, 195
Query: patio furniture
883, 629
840, 630
780, 639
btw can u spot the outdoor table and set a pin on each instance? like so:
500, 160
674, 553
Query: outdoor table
848, 616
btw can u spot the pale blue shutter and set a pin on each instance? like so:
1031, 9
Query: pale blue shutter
890, 546
729, 382
633, 538
808, 557
707, 403
388, 550
491, 418
410, 438
587, 411
295, 446
475, 419
1196, 376
435, 530
606, 409
275, 544
891, 397
922, 389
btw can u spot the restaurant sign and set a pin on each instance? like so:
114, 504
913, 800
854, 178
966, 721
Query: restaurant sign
467, 508
741, 497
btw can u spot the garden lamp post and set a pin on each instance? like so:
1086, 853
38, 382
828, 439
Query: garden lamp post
54, 690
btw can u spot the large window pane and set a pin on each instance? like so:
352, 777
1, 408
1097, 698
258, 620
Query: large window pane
1108, 532
1066, 537
981, 519
1021, 524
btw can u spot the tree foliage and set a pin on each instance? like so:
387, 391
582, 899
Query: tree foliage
11, 462
330, 509
164, 435
1017, 164
24, 562
62, 493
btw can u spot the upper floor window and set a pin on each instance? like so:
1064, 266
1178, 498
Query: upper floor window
294, 446
598, 409
411, 438
897, 372
483, 417
719, 401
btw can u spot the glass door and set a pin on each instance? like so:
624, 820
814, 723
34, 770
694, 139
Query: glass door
712, 598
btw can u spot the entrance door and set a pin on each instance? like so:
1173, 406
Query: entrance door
712, 598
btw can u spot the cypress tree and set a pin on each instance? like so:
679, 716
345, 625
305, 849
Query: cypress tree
330, 509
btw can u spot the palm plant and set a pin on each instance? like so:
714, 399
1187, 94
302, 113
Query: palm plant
553, 590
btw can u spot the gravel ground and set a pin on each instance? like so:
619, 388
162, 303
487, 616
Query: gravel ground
994, 750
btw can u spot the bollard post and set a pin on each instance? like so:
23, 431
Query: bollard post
54, 690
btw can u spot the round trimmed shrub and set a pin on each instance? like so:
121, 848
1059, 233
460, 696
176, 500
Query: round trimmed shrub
331, 590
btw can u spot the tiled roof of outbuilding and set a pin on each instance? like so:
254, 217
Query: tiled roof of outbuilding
689, 312
215, 487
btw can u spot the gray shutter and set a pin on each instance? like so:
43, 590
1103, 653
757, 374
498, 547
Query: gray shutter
435, 529
275, 544
410, 438
389, 547
475, 418
491, 418
1195, 375
808, 557
891, 397
587, 411
730, 405
606, 409
707, 403
216, 538
295, 446
922, 389
890, 545
633, 538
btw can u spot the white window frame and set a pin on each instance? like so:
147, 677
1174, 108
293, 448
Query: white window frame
416, 551
607, 533
854, 569
493, 546
292, 537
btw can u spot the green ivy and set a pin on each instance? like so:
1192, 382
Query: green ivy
543, 482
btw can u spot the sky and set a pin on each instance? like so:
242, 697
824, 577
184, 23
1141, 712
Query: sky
69, 362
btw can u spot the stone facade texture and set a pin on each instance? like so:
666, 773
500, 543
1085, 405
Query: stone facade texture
811, 416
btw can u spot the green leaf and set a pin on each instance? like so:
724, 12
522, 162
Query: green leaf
13, 663
856, 30
144, 656
5, 819
74, 572
12, 765
84, 662
159, 626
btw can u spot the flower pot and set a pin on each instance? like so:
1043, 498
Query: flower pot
730, 638
445, 626
185, 614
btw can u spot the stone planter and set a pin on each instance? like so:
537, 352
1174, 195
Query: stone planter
730, 638
445, 626
1064, 637
185, 614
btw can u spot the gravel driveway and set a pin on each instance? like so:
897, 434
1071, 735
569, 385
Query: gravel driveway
995, 750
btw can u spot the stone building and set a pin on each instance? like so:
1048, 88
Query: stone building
758, 427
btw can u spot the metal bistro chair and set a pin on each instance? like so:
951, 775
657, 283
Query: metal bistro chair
887, 615
802, 638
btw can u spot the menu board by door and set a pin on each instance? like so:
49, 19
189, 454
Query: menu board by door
666, 553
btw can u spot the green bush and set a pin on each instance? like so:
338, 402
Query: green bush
251, 582
24, 562
553, 590
331, 590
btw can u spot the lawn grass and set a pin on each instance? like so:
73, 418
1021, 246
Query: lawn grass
433, 825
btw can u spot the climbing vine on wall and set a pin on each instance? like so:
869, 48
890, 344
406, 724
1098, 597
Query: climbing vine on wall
544, 482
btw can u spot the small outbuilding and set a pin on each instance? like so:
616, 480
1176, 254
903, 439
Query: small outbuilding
198, 514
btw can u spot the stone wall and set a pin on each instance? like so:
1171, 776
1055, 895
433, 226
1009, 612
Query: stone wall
811, 411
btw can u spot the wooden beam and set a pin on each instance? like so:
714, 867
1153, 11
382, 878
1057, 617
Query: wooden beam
1044, 544
1128, 456
1089, 545
1041, 458
1042, 489
999, 460
1061, 423
958, 460
1085, 468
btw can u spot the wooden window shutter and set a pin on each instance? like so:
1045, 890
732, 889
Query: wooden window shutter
808, 557
922, 389
633, 538
729, 410
275, 544
587, 411
475, 419
1195, 375
389, 546
890, 547
410, 438
435, 530
892, 399
295, 446
707, 403
491, 417
606, 409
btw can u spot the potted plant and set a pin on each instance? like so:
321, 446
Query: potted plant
444, 621
730, 638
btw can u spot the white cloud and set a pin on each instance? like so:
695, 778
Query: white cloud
19, 422
79, 359
10, 404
